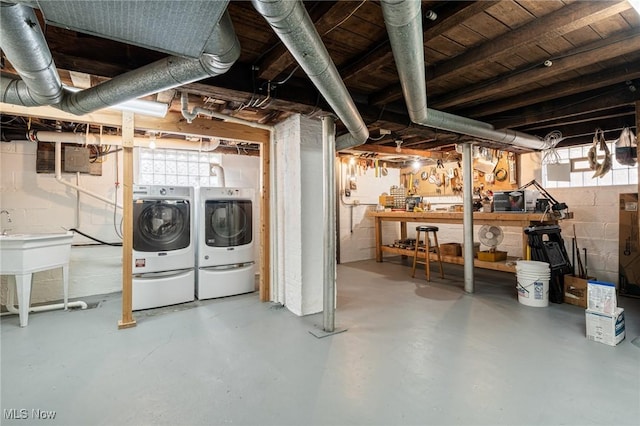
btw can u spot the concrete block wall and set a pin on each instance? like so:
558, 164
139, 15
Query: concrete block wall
596, 220
39, 204
356, 233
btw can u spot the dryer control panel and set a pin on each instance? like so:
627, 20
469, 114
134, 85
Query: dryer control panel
225, 193
164, 191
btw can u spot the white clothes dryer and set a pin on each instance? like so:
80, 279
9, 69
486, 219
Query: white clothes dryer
225, 258
163, 246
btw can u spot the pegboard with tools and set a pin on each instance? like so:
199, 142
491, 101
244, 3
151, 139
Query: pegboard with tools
493, 170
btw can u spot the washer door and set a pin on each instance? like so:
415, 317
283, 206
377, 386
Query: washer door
228, 223
161, 225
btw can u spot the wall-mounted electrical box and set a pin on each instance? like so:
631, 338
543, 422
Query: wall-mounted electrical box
76, 159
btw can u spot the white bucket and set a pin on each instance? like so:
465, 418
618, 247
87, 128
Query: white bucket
533, 283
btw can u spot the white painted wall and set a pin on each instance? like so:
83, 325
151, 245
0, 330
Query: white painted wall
39, 204
356, 233
299, 220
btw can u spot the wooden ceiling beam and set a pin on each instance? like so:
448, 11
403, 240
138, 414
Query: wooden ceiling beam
592, 53
380, 54
536, 32
391, 150
566, 108
546, 28
581, 84
587, 128
173, 123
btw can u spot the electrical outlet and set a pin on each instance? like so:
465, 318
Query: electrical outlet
385, 132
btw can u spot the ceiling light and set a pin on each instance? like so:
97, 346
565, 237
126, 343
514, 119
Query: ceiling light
152, 141
136, 106
416, 165
431, 15
399, 145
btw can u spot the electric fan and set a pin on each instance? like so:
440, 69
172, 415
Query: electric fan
491, 236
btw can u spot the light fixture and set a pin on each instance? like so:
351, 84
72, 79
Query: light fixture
136, 106
635, 4
398, 145
416, 165
152, 140
431, 15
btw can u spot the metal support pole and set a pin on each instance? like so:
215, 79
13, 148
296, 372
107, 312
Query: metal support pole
329, 210
467, 218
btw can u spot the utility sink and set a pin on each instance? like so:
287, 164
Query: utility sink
23, 254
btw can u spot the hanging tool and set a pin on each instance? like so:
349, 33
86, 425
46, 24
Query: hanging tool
581, 273
586, 270
573, 255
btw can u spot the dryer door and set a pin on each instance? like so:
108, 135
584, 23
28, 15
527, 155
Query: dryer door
161, 225
228, 223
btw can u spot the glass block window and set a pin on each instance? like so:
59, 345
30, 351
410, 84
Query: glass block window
581, 176
175, 167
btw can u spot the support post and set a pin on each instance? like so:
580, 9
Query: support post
467, 217
127, 222
265, 221
329, 207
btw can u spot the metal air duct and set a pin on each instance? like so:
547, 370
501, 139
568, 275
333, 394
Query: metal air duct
292, 24
24, 44
222, 50
403, 19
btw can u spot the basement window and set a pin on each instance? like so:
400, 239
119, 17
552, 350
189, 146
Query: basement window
576, 159
176, 167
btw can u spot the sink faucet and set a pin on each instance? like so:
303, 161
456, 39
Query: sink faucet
4, 231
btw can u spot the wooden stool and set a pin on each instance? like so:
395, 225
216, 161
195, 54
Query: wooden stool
428, 246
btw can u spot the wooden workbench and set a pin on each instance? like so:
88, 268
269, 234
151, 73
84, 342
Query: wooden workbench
521, 220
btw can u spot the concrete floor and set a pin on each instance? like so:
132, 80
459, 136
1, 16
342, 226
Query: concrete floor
414, 353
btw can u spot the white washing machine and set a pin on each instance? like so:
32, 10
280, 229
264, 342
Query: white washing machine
163, 246
225, 259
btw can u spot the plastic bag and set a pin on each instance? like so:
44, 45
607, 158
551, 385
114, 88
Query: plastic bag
627, 148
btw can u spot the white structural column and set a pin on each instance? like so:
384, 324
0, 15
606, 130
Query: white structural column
329, 208
467, 218
299, 230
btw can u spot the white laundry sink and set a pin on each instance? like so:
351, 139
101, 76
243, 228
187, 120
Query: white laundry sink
23, 254
27, 253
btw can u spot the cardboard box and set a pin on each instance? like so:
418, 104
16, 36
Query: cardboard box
629, 249
604, 328
492, 256
575, 290
451, 249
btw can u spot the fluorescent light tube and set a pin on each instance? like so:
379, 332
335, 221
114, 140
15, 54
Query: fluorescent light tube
635, 4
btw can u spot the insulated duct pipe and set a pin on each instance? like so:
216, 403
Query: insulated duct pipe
24, 44
403, 19
292, 24
221, 52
